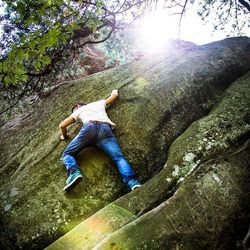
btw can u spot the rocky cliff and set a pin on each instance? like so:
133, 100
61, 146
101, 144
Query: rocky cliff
183, 123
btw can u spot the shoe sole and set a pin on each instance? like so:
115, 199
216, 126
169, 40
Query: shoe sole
135, 187
72, 184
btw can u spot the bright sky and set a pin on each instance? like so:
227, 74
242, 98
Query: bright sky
1, 12
159, 26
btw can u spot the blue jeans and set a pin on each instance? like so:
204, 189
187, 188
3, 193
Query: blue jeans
101, 136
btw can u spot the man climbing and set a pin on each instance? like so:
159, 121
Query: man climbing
95, 131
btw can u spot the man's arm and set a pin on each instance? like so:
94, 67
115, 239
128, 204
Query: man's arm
63, 127
112, 97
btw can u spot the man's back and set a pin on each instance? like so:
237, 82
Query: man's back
94, 111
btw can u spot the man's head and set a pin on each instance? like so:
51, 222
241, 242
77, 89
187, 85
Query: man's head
77, 106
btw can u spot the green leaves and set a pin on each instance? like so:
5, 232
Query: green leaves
99, 4
52, 37
44, 31
12, 72
46, 60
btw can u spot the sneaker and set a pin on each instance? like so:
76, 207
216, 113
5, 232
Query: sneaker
73, 179
133, 184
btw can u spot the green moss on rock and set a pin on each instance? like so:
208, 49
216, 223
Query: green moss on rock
159, 98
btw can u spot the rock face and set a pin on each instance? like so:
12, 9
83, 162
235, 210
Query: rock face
159, 98
208, 165
201, 215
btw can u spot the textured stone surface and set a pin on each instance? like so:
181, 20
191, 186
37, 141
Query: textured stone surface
202, 214
94, 229
206, 154
159, 98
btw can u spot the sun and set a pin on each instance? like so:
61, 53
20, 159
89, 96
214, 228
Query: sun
156, 29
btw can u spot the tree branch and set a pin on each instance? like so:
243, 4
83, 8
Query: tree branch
132, 5
46, 71
95, 42
19, 97
245, 4
182, 13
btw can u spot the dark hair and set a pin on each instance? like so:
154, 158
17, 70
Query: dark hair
76, 104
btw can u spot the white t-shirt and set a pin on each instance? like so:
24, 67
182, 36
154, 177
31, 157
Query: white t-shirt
94, 111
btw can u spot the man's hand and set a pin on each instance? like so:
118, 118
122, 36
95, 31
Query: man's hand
64, 138
113, 96
63, 125
114, 92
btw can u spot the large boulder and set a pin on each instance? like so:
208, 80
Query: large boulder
206, 212
159, 98
205, 159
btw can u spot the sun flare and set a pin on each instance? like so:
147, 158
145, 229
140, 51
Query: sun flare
156, 30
